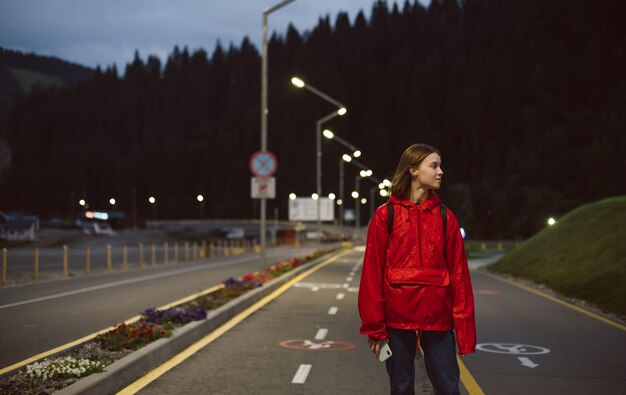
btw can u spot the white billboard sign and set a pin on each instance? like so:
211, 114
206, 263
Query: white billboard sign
305, 209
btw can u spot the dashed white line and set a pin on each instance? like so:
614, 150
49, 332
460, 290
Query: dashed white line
348, 279
346, 285
333, 310
315, 289
340, 296
301, 374
321, 334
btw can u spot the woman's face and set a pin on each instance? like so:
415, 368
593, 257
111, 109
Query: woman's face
429, 173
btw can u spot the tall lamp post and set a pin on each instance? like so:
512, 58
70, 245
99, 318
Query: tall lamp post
264, 109
318, 136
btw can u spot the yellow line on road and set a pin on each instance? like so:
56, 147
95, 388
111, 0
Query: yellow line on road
468, 380
183, 355
555, 299
74, 343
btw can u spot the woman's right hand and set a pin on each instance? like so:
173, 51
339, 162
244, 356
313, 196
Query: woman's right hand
375, 346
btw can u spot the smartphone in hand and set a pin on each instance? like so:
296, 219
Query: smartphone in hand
385, 352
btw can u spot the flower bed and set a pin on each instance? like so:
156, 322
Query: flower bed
93, 356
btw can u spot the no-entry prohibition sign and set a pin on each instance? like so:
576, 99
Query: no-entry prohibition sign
263, 164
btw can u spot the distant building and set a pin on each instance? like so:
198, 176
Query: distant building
18, 228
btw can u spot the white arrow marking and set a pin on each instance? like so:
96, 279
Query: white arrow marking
525, 361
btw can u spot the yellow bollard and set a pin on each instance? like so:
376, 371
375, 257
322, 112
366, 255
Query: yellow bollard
36, 276
500, 246
4, 266
203, 252
483, 246
166, 254
64, 261
87, 259
176, 252
195, 250
186, 251
141, 254
153, 257
125, 257
211, 250
219, 247
109, 259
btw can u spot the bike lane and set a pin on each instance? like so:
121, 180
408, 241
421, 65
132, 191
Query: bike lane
532, 343
305, 341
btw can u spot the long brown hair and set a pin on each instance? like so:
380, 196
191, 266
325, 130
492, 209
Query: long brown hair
412, 157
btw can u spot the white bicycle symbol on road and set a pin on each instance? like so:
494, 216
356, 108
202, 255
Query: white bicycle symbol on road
512, 348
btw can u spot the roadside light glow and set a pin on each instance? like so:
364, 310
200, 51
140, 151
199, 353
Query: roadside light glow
331, 196
315, 196
383, 193
292, 196
112, 201
297, 82
363, 201
462, 232
355, 194
328, 134
200, 198
82, 202
386, 182
381, 186
363, 173
339, 202
151, 199
342, 111
356, 153
97, 215
369, 173
346, 157
551, 221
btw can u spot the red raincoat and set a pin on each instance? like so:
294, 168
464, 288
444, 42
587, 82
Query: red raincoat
407, 283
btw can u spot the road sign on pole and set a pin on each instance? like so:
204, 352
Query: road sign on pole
263, 187
263, 164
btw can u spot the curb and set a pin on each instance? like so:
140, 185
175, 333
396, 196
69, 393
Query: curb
126, 370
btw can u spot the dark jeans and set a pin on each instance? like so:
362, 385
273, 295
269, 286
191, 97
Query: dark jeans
439, 357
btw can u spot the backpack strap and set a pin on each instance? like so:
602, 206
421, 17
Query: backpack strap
389, 217
444, 217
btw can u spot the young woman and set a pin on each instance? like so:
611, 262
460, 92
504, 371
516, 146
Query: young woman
415, 286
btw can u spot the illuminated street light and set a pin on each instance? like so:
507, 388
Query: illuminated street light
112, 202
384, 193
339, 202
346, 157
328, 134
152, 200
315, 196
331, 196
200, 199
356, 153
292, 196
355, 194
82, 202
341, 110
363, 201
551, 221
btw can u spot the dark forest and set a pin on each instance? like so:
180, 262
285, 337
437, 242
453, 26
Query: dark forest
525, 99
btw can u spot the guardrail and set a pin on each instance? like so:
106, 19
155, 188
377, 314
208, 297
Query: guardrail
181, 252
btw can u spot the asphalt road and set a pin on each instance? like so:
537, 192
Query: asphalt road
528, 344
532, 345
39, 317
310, 335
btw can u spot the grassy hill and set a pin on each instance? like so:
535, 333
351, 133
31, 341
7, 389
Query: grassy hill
582, 256
28, 78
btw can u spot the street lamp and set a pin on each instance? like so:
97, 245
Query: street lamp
200, 199
318, 135
332, 136
152, 202
264, 109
